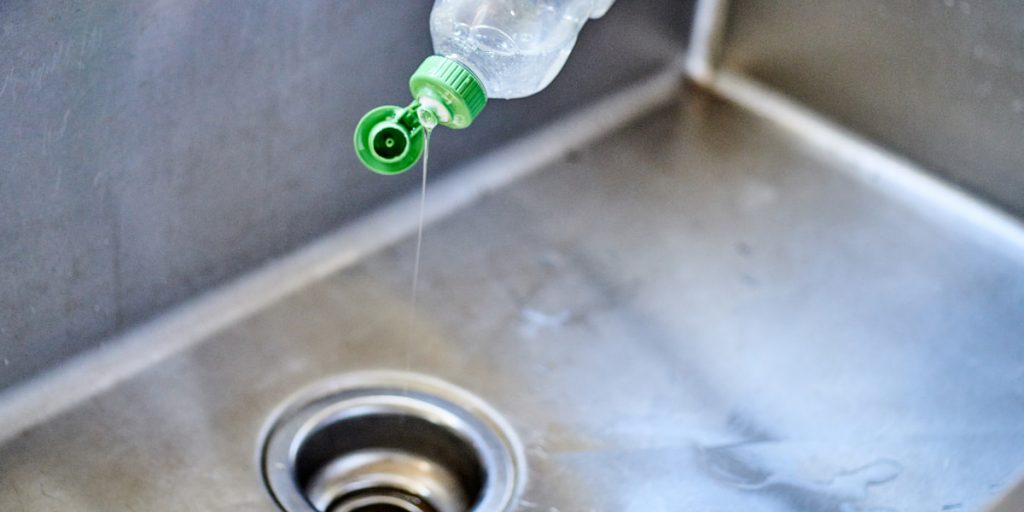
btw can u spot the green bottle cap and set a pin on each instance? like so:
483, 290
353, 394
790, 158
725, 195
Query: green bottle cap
389, 139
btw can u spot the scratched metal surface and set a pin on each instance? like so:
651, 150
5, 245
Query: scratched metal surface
151, 149
699, 312
941, 81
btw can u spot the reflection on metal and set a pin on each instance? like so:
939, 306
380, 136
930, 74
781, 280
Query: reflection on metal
391, 441
204, 316
730, 306
726, 283
148, 155
939, 81
890, 172
706, 40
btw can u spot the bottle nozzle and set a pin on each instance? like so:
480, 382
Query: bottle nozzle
432, 113
389, 139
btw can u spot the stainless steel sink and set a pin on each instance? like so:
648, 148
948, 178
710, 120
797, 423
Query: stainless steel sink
700, 310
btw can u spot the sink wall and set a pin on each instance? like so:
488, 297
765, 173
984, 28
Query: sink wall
941, 81
152, 150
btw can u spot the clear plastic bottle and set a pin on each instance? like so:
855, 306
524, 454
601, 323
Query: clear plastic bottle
515, 47
485, 49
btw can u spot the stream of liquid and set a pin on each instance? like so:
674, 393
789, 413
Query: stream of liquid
414, 293
419, 229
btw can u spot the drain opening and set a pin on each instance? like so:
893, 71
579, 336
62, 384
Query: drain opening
409, 456
390, 442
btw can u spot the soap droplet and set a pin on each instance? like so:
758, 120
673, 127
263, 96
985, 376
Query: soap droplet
427, 118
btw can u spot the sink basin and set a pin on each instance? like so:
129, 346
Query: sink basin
698, 311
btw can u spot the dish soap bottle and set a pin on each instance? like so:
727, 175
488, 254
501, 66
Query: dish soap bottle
484, 49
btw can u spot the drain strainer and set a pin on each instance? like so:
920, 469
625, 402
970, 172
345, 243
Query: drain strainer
390, 442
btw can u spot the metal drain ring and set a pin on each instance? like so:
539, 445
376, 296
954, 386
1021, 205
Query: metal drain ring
390, 441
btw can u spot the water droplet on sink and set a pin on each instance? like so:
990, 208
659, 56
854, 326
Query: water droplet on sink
534, 320
843, 491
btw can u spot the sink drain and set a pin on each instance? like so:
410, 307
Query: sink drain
390, 442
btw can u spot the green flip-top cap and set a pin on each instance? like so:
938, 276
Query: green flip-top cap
389, 139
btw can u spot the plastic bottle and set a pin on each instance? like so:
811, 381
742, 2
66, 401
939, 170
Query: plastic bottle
484, 49
515, 47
